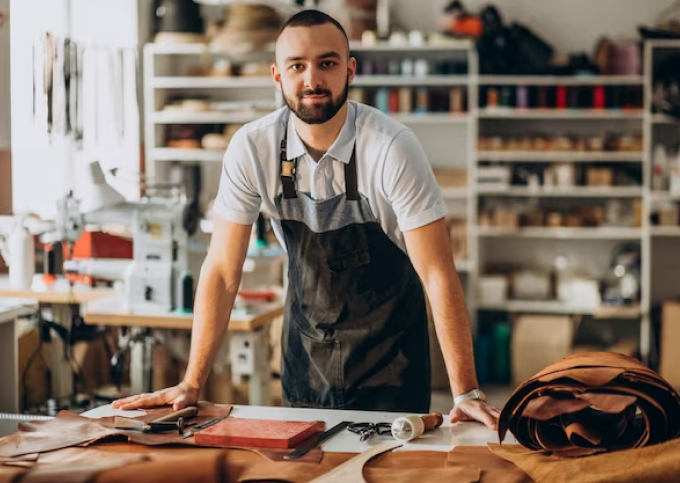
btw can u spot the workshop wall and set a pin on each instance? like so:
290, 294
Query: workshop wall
100, 25
4, 77
5, 173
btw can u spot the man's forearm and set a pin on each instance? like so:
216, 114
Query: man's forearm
214, 301
452, 324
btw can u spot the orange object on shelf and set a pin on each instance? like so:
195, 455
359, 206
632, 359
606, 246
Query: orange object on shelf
268, 295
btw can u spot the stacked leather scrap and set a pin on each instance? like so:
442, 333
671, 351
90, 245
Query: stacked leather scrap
590, 403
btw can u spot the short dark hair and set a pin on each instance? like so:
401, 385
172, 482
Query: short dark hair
309, 18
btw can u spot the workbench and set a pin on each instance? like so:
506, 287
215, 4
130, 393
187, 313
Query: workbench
432, 447
10, 311
63, 301
248, 340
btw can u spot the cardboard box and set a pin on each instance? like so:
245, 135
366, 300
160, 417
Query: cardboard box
669, 365
538, 341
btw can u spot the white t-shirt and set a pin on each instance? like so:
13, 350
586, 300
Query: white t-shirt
392, 169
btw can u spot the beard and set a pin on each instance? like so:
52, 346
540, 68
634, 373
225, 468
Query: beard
316, 112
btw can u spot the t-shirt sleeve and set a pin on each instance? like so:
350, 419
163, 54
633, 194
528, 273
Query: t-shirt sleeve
410, 185
238, 199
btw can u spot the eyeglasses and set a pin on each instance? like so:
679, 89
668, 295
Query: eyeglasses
366, 430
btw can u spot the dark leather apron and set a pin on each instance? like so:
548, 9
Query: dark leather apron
355, 326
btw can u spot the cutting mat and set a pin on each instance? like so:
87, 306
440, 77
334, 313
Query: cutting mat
257, 433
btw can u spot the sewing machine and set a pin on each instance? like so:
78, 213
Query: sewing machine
159, 242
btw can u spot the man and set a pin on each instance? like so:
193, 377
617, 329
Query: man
354, 201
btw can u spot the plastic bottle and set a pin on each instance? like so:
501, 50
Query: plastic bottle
21, 257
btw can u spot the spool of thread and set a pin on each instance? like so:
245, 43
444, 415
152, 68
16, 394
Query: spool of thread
561, 97
381, 99
522, 97
393, 101
394, 67
599, 98
492, 97
405, 99
421, 68
407, 67
186, 292
422, 100
456, 99
412, 427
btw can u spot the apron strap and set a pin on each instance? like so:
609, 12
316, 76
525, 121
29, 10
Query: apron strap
288, 169
351, 189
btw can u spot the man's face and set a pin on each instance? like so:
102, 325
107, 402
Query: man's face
313, 71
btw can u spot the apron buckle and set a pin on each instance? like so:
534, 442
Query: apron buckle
288, 169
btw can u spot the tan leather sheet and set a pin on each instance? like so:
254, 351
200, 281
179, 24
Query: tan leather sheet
174, 464
68, 430
493, 468
590, 403
652, 464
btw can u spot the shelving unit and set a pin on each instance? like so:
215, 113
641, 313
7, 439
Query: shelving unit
662, 243
555, 156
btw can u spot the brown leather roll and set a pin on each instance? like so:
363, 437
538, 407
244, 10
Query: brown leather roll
590, 403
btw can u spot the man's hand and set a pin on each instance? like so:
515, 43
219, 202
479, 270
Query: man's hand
180, 396
476, 410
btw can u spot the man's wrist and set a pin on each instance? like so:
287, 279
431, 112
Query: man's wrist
192, 383
476, 394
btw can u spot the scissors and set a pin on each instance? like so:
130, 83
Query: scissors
366, 430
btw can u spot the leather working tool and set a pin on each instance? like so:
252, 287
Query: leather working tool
306, 447
589, 403
174, 420
151, 427
366, 430
201, 426
412, 427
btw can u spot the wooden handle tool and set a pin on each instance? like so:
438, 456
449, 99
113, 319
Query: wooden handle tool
412, 427
186, 413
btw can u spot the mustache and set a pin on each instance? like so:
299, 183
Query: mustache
314, 92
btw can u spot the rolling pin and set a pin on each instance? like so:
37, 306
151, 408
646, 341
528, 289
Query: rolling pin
412, 427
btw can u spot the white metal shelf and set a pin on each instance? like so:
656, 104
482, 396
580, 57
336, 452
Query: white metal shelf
663, 196
205, 117
285, 8
558, 307
575, 80
202, 48
181, 82
191, 155
665, 231
598, 233
663, 119
402, 80
445, 46
511, 113
566, 192
454, 193
550, 156
463, 265
431, 118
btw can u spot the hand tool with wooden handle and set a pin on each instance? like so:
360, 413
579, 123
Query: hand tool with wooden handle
186, 413
151, 427
169, 422
412, 427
